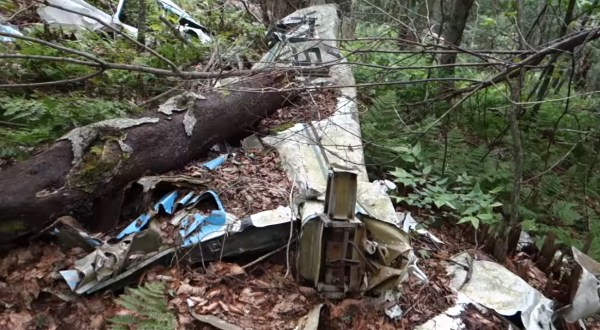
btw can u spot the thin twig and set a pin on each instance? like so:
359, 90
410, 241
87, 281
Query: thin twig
174, 30
161, 95
469, 273
287, 251
126, 36
264, 256
558, 161
51, 83
55, 46
49, 58
18, 12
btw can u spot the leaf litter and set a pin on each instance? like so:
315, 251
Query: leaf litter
260, 296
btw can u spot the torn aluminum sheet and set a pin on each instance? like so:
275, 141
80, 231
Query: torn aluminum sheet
524, 240
311, 320
308, 150
386, 186
410, 224
110, 259
202, 227
8, 29
204, 237
263, 231
64, 19
393, 310
194, 227
125, 278
586, 301
166, 204
305, 37
390, 255
68, 233
450, 319
187, 24
495, 287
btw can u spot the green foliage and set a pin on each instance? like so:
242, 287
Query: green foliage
149, 309
464, 168
460, 198
26, 122
30, 116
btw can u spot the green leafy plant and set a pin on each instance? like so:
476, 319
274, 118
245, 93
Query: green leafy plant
460, 198
148, 307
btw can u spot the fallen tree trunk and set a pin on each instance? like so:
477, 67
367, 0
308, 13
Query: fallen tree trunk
94, 164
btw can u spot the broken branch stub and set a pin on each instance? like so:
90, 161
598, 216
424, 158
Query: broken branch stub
103, 158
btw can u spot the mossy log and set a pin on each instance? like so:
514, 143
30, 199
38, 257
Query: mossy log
89, 168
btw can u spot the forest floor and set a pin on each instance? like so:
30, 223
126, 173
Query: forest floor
248, 292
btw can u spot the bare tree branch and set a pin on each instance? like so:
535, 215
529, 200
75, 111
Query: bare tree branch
125, 35
49, 58
52, 83
55, 46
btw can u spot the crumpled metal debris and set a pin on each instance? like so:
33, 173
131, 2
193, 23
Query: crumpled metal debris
68, 232
340, 246
187, 24
311, 320
199, 218
450, 319
377, 251
108, 260
495, 287
586, 301
8, 29
195, 225
308, 151
65, 19
393, 310
410, 224
263, 231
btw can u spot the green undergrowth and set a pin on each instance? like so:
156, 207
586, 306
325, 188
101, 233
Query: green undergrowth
458, 166
33, 116
146, 309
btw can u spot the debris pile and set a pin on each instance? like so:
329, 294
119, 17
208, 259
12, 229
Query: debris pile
283, 232
80, 15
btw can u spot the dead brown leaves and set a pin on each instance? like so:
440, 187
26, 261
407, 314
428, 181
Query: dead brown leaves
248, 183
309, 107
32, 296
261, 299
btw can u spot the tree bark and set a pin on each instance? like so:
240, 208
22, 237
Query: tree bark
548, 72
100, 160
453, 31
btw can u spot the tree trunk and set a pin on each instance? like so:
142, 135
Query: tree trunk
453, 31
141, 22
95, 163
548, 72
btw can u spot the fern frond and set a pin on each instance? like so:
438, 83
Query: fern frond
149, 306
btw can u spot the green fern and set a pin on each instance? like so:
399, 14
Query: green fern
149, 309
